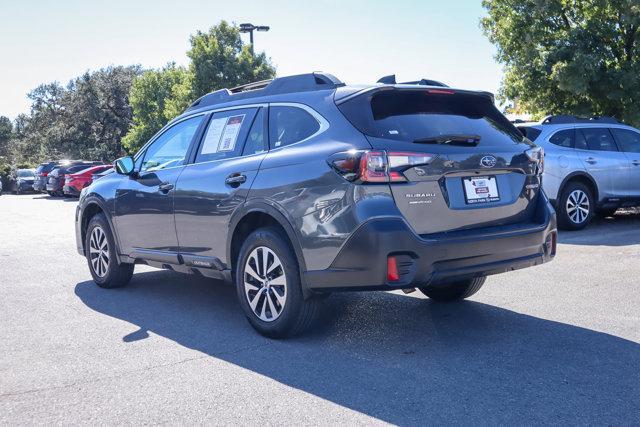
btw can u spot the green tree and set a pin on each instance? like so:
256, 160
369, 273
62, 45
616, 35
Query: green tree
87, 119
98, 113
155, 97
569, 56
6, 134
41, 132
219, 59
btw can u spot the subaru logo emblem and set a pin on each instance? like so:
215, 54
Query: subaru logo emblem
488, 161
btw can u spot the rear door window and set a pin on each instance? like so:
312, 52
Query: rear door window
288, 125
257, 138
564, 138
598, 139
628, 140
411, 115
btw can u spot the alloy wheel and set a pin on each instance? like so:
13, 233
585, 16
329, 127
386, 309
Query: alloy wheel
578, 206
99, 252
265, 284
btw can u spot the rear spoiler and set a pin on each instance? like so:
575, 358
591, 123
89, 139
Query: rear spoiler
341, 98
391, 80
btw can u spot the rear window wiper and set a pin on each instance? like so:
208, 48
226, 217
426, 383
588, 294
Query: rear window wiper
452, 139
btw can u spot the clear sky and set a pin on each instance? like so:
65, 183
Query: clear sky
358, 41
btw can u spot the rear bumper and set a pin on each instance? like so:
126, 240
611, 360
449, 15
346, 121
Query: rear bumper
39, 185
24, 186
422, 260
71, 190
54, 186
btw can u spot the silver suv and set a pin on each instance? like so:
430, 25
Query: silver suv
592, 166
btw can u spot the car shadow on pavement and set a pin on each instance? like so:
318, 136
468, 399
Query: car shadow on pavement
56, 198
623, 229
397, 358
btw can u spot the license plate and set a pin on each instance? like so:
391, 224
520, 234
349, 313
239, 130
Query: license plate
481, 189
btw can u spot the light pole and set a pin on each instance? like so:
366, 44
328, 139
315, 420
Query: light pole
248, 28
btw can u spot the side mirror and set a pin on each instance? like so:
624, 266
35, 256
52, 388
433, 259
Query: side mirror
125, 165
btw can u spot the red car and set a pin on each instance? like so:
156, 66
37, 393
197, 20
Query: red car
75, 182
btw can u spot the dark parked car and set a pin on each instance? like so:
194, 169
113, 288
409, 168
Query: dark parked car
42, 171
21, 180
301, 186
56, 178
75, 182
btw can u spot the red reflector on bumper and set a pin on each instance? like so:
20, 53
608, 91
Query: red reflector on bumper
392, 269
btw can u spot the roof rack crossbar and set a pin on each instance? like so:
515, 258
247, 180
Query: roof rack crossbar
251, 86
298, 83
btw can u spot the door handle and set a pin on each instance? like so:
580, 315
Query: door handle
165, 187
591, 160
636, 162
235, 179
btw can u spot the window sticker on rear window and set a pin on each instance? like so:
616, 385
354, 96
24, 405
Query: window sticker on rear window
230, 133
212, 138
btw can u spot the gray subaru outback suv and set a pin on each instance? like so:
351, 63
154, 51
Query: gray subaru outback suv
301, 186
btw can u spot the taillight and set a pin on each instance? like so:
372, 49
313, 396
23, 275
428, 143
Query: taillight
44, 173
377, 166
536, 155
373, 166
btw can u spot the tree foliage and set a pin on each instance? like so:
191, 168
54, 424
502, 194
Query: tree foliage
569, 56
84, 120
155, 97
6, 133
218, 59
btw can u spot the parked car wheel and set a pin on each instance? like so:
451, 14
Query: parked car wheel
454, 291
575, 207
101, 255
269, 286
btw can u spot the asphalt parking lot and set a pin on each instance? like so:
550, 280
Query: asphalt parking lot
554, 344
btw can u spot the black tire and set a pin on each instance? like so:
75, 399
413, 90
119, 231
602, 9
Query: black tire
574, 220
114, 275
296, 313
454, 291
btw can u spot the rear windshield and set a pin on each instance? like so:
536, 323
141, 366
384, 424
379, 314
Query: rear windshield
45, 167
25, 174
418, 114
529, 132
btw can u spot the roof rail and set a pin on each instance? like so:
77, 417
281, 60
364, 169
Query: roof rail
289, 84
391, 80
565, 119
